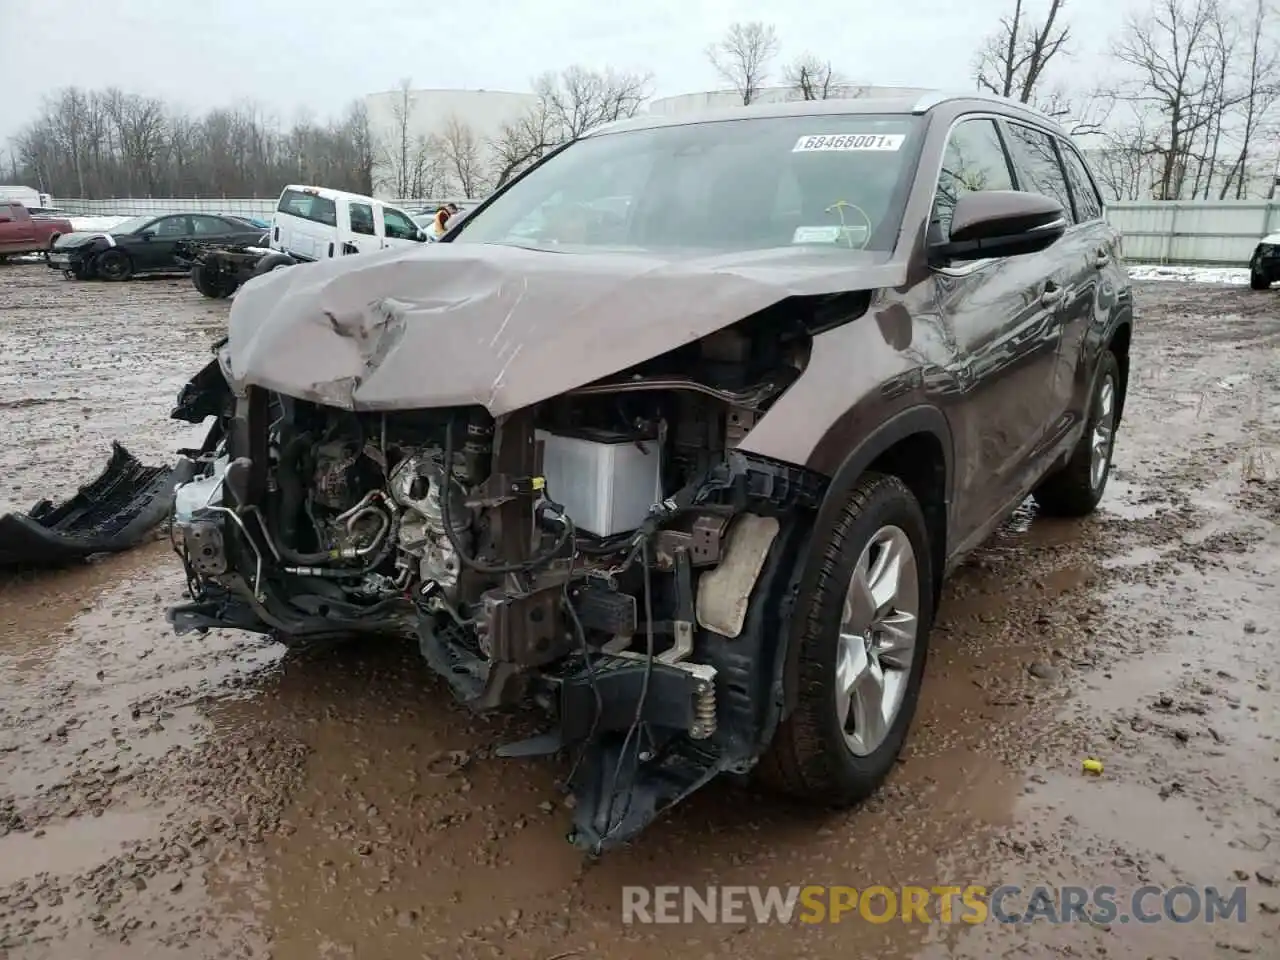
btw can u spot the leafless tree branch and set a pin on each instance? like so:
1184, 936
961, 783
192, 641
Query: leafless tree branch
743, 57
812, 78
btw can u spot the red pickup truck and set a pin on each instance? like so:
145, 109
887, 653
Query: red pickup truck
22, 233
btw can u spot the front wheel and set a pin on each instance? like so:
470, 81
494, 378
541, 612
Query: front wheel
861, 650
1258, 280
114, 265
1074, 491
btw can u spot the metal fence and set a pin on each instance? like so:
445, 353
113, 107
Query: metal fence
1174, 231
262, 208
1209, 232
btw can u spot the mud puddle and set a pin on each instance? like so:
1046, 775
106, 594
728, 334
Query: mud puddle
164, 796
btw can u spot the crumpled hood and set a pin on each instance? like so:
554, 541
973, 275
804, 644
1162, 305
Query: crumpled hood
500, 326
69, 240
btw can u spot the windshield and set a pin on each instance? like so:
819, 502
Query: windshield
132, 225
827, 181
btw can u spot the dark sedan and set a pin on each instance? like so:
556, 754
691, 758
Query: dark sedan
144, 245
1264, 265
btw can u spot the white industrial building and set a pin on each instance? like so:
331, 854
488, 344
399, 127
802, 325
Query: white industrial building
722, 99
429, 113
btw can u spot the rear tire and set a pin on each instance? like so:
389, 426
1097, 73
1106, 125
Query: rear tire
835, 747
212, 284
1258, 281
271, 262
114, 265
1074, 491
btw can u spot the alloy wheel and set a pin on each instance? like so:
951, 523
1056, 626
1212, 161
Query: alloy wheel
877, 641
1103, 432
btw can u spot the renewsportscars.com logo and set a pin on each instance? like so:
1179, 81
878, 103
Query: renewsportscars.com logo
970, 904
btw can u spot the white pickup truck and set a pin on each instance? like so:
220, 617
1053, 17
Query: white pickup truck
309, 223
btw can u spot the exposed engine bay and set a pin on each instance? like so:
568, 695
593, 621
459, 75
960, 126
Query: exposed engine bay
606, 555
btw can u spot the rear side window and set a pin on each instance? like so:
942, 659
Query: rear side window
362, 219
1037, 159
309, 206
399, 227
974, 160
1085, 194
210, 225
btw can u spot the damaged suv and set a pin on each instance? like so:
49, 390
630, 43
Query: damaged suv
677, 435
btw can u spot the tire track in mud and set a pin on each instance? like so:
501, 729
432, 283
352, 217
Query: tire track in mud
204, 797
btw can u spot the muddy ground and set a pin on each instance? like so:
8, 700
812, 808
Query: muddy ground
203, 797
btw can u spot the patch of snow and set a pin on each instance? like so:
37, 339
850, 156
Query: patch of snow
95, 224
1271, 238
1152, 271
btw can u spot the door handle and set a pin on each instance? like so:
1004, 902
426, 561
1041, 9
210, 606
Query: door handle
1101, 259
1051, 296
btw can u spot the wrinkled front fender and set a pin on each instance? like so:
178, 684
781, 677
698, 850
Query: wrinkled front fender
204, 395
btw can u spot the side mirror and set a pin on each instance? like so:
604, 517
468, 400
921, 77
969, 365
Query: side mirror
147, 234
421, 235
1000, 223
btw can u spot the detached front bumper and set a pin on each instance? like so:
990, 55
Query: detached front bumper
109, 514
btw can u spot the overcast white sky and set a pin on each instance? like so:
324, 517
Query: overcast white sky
321, 54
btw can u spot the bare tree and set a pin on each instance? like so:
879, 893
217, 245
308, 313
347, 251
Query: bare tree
1260, 94
812, 78
110, 143
1124, 164
520, 143
1012, 60
401, 159
1168, 52
428, 170
460, 149
578, 99
743, 57
569, 104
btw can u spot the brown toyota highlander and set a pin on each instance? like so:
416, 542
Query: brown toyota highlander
674, 439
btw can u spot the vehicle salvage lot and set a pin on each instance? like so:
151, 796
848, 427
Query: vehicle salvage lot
164, 796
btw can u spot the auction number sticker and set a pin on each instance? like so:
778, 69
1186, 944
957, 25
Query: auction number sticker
853, 235
849, 141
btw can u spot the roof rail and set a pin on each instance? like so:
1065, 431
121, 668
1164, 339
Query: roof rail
930, 100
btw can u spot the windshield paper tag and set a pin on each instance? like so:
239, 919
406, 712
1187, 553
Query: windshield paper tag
850, 141
853, 236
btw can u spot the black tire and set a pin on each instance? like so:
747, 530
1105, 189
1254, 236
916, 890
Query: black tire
809, 757
1074, 491
212, 284
113, 265
1258, 281
273, 261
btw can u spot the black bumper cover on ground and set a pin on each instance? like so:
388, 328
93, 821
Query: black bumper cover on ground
112, 513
